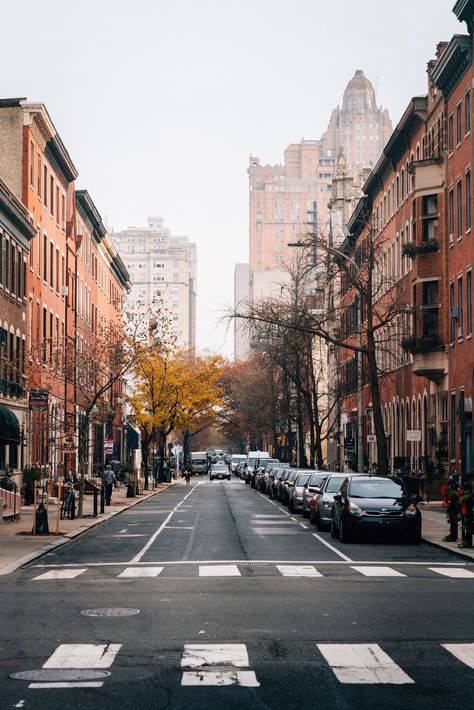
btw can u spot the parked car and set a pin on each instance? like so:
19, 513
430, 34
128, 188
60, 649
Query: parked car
269, 476
260, 473
375, 506
310, 489
277, 475
287, 486
295, 502
235, 460
324, 500
219, 470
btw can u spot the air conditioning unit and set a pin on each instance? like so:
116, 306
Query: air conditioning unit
454, 312
65, 291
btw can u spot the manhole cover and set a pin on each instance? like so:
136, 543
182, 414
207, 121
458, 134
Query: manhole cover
54, 675
110, 612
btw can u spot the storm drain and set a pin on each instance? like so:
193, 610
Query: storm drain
113, 611
55, 675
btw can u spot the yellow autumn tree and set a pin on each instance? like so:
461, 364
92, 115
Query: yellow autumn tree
173, 391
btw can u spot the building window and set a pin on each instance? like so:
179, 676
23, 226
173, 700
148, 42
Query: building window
469, 303
38, 175
13, 267
459, 198
45, 185
51, 265
51, 194
453, 313
460, 308
453, 426
451, 133
451, 215
45, 257
468, 200
467, 111
32, 165
458, 124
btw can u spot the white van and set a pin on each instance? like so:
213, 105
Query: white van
254, 457
199, 462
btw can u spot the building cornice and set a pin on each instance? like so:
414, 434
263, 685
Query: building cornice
464, 11
14, 217
90, 214
452, 64
37, 117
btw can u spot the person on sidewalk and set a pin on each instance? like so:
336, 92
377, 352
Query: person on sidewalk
109, 481
187, 473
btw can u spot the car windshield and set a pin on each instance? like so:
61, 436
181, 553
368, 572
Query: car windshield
199, 461
302, 479
376, 489
316, 479
334, 484
219, 468
238, 458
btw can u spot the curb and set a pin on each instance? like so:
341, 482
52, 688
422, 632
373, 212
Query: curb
453, 550
12, 566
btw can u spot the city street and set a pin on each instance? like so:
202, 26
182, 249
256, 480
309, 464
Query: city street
210, 595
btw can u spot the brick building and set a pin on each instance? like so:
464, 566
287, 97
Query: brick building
16, 233
418, 203
67, 280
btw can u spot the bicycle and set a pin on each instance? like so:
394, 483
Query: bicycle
68, 506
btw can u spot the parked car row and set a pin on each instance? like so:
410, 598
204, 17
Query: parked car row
348, 505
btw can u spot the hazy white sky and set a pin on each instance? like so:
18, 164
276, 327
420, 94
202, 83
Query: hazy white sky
161, 102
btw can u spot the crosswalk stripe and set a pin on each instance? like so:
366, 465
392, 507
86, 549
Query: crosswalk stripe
196, 655
219, 571
362, 663
455, 572
61, 574
298, 571
83, 655
378, 571
246, 679
63, 684
464, 652
141, 572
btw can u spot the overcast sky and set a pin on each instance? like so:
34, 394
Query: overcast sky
161, 102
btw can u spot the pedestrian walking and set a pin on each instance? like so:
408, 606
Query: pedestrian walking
187, 474
109, 481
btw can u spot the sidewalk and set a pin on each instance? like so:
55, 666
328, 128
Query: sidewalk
435, 528
18, 546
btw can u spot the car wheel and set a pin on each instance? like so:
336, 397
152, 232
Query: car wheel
414, 538
344, 536
334, 530
319, 526
305, 513
291, 507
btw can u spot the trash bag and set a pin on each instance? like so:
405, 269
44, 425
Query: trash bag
42, 527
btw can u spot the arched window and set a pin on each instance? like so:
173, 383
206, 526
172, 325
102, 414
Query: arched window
398, 192
403, 184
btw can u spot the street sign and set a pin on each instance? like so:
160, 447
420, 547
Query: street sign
371, 439
413, 434
108, 446
38, 400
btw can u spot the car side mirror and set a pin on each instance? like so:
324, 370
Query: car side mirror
416, 499
338, 497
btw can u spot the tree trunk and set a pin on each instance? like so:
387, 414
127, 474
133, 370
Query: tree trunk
299, 424
186, 446
83, 430
382, 450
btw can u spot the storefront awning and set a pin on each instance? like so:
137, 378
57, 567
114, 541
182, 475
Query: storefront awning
9, 427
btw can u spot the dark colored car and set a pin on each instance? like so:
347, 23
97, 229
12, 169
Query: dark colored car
287, 486
265, 464
375, 506
274, 484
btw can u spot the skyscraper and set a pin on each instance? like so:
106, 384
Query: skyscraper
162, 267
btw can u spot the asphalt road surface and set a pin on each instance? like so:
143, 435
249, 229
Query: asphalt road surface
211, 596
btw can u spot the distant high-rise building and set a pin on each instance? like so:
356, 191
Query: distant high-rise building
162, 267
285, 198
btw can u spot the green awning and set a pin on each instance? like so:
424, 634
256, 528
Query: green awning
9, 427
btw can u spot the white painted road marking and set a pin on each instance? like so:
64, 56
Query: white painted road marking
61, 574
362, 663
454, 572
246, 679
276, 531
219, 571
230, 658
141, 572
334, 549
83, 655
197, 655
298, 571
378, 572
464, 652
